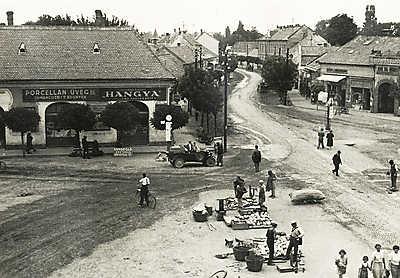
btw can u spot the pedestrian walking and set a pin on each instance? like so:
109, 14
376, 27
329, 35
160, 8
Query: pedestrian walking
393, 175
220, 154
364, 268
271, 236
378, 264
271, 178
329, 139
261, 193
321, 135
341, 263
256, 157
29, 143
240, 191
394, 262
144, 183
336, 162
295, 239
85, 147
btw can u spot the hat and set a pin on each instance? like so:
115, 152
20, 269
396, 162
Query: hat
293, 222
261, 181
273, 223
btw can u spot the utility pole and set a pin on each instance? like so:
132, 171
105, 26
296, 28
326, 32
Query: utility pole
287, 71
201, 58
195, 58
226, 76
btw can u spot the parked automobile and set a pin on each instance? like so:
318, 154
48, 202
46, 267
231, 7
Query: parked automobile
178, 156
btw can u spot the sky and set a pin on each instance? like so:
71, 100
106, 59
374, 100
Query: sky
209, 15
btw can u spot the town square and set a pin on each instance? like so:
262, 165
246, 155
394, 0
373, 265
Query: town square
170, 139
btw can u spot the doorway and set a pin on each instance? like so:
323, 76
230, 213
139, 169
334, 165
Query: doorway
2, 130
140, 134
385, 98
55, 136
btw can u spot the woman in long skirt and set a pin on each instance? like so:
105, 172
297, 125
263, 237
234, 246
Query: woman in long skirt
378, 262
394, 262
341, 263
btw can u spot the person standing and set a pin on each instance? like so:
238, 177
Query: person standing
341, 263
271, 236
394, 262
295, 239
271, 178
393, 175
321, 135
336, 162
144, 183
256, 157
85, 148
261, 193
240, 191
378, 265
236, 183
329, 139
29, 143
220, 154
363, 270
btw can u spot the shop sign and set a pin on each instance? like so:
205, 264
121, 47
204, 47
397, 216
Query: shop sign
94, 94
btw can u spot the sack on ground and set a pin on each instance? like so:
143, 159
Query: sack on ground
306, 195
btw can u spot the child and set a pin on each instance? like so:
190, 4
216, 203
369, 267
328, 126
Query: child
363, 270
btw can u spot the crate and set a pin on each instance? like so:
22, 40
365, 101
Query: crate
240, 225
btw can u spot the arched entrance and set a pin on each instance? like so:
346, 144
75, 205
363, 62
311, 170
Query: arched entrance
386, 98
55, 136
140, 134
2, 131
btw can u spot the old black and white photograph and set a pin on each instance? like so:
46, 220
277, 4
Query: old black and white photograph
199, 139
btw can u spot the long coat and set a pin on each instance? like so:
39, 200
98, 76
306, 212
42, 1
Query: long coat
329, 141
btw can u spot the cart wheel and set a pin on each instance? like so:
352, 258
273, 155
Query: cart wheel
219, 274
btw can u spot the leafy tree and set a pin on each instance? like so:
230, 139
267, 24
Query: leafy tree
370, 23
22, 120
77, 117
321, 28
60, 20
179, 117
122, 116
280, 75
341, 30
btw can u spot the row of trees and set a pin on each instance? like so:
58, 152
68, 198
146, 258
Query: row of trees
122, 116
67, 20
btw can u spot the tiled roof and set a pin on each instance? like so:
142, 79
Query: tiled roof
66, 53
285, 33
183, 52
358, 50
311, 53
171, 62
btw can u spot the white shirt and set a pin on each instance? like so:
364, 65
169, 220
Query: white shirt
144, 181
394, 258
377, 257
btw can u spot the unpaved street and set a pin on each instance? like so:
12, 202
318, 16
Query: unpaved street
357, 214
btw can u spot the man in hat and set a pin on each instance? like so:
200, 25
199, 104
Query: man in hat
295, 239
336, 162
321, 135
393, 175
256, 157
271, 236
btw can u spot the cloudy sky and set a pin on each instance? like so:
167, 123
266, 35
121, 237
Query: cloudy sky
210, 15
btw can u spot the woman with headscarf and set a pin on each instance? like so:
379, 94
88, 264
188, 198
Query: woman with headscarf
378, 262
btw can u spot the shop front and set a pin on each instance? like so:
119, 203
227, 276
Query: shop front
360, 90
51, 101
335, 86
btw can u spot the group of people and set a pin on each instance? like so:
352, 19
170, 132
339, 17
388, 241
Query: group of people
379, 264
191, 147
329, 139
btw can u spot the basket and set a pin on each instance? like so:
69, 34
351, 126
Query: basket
241, 252
254, 263
200, 216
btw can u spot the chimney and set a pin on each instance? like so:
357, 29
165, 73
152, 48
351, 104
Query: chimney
201, 31
99, 18
10, 18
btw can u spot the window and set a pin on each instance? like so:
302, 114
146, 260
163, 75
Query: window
96, 48
22, 48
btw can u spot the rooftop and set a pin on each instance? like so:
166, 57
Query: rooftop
66, 53
359, 50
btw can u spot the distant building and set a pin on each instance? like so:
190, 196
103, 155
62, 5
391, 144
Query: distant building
364, 72
288, 38
246, 49
208, 41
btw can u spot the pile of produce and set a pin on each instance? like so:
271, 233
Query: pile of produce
255, 220
281, 245
231, 203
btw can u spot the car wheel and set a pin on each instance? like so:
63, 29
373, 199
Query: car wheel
210, 162
179, 162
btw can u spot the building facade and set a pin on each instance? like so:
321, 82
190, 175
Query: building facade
45, 68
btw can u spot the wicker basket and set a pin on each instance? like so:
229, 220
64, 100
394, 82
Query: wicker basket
241, 252
254, 263
199, 216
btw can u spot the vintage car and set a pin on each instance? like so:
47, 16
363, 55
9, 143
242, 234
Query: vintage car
178, 156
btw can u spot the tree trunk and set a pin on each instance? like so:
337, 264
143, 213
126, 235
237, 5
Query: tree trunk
215, 124
202, 119
118, 143
77, 139
208, 123
22, 143
190, 107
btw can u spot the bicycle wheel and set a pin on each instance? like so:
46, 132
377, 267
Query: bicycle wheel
152, 201
219, 274
137, 196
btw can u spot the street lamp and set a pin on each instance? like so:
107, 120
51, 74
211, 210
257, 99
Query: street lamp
226, 76
168, 130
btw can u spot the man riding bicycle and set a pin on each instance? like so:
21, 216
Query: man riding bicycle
144, 183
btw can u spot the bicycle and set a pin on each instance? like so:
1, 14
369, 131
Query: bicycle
152, 199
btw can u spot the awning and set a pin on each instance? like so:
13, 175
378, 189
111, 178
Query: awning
331, 78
